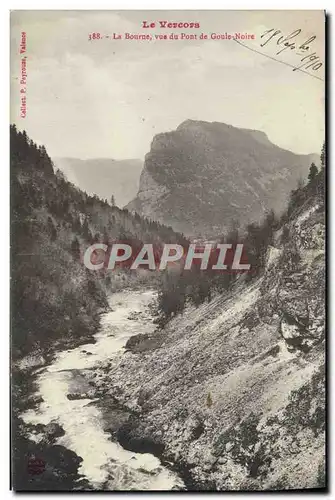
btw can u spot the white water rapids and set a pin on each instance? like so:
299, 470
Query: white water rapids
104, 462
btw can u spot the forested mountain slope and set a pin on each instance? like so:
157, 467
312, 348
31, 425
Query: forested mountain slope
54, 297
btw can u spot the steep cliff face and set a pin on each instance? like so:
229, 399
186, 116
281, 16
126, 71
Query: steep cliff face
234, 390
203, 175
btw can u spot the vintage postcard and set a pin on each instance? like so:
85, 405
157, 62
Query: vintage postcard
168, 281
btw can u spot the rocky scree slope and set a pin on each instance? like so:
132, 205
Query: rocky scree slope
233, 391
201, 176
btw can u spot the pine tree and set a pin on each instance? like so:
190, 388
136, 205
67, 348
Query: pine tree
87, 235
51, 229
313, 172
105, 236
75, 249
113, 200
76, 226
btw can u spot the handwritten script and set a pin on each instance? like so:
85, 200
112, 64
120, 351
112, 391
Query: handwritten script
302, 47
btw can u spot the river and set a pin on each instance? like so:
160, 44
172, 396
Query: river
105, 463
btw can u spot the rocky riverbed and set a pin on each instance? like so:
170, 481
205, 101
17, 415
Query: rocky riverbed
91, 427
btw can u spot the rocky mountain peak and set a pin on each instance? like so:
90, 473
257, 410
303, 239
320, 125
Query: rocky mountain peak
201, 176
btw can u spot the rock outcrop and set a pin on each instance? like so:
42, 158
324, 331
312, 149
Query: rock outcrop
202, 176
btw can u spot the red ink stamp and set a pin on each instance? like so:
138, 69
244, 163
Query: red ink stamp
35, 466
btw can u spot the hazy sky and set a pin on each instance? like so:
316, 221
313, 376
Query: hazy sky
108, 98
